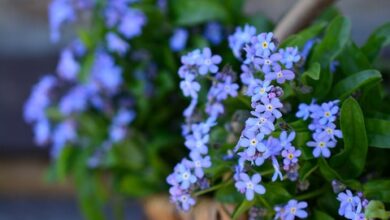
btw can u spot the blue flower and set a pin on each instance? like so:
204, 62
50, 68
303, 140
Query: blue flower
191, 58
260, 123
265, 64
270, 107
247, 75
277, 173
42, 132
259, 89
252, 142
280, 75
184, 177
197, 142
190, 87
198, 163
250, 186
329, 131
304, 110
348, 202
225, 89
290, 56
39, 100
208, 62
290, 155
295, 209
285, 140
60, 11
74, 101
326, 113
321, 146
116, 44
241, 37
64, 133
214, 33
178, 40
132, 23
106, 74
307, 48
118, 128
186, 202
264, 44
68, 68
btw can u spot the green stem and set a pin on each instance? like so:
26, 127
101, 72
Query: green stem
310, 172
312, 194
265, 203
267, 172
218, 186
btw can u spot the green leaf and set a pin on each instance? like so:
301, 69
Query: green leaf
378, 39
352, 59
189, 12
228, 194
300, 39
376, 209
133, 185
378, 132
322, 215
261, 22
351, 160
276, 194
242, 208
377, 189
347, 86
335, 38
301, 138
328, 172
313, 72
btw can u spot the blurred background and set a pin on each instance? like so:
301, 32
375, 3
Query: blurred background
26, 53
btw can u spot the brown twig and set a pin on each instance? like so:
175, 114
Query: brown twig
301, 15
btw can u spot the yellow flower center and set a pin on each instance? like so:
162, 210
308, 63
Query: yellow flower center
264, 44
290, 156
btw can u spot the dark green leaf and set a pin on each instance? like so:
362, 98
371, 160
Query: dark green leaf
352, 59
378, 39
276, 194
133, 185
378, 132
328, 172
228, 194
242, 208
335, 38
351, 160
300, 39
189, 12
313, 72
347, 86
377, 189
322, 215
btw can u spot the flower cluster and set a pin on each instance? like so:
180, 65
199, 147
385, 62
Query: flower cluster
64, 11
352, 206
241, 37
96, 88
323, 125
256, 144
291, 210
189, 174
36, 106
